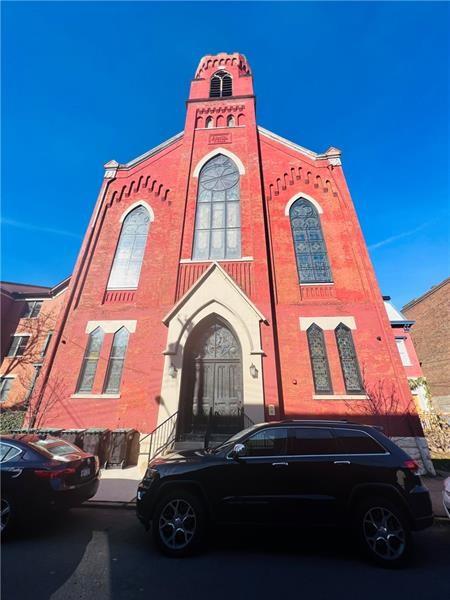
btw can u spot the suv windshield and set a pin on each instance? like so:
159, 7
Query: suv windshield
234, 438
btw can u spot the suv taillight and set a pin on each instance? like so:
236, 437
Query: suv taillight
412, 466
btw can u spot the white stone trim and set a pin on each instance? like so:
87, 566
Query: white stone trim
95, 396
418, 450
209, 260
213, 153
327, 323
340, 397
214, 294
135, 205
299, 195
289, 144
111, 326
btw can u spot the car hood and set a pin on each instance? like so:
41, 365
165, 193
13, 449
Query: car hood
181, 456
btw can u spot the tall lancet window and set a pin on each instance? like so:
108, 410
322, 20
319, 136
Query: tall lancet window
319, 360
130, 250
218, 219
90, 361
115, 362
309, 245
221, 85
349, 360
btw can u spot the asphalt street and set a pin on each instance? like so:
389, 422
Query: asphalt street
99, 554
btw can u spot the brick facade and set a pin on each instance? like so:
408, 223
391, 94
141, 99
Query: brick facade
431, 335
263, 284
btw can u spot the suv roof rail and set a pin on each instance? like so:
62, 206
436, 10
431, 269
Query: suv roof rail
318, 421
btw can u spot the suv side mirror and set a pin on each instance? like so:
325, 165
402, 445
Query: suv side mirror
238, 451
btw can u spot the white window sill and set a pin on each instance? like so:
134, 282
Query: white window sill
124, 289
316, 284
213, 260
340, 397
94, 396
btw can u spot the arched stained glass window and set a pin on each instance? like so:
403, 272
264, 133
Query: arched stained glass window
349, 360
319, 360
221, 85
218, 220
309, 244
116, 361
130, 250
90, 361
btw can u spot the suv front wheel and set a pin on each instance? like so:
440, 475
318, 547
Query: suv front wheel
179, 523
383, 532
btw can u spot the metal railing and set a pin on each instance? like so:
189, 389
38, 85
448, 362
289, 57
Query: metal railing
163, 437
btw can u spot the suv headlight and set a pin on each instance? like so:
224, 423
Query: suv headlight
151, 474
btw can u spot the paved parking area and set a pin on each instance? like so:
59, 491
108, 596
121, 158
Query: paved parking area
103, 554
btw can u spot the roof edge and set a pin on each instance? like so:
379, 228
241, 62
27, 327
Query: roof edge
330, 153
152, 152
431, 291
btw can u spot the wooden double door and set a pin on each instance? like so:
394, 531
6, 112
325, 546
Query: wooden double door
212, 390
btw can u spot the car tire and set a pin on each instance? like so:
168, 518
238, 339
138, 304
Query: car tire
383, 532
179, 523
7, 517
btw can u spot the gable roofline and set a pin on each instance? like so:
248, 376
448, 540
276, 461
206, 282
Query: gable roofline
148, 154
214, 265
330, 153
431, 291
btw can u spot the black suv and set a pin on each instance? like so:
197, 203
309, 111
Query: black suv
302, 472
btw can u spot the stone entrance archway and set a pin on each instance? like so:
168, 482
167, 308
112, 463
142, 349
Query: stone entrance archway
211, 391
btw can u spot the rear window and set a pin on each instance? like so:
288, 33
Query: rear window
8, 452
357, 442
57, 448
311, 441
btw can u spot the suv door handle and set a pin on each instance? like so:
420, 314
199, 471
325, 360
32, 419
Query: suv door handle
341, 462
280, 464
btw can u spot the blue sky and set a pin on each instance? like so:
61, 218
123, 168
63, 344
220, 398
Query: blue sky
86, 82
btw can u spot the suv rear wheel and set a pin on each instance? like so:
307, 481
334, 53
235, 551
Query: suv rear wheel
383, 532
179, 523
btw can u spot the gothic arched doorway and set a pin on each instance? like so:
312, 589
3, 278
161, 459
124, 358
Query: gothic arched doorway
211, 392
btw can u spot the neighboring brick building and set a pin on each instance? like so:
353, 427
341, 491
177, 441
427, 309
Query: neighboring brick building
29, 316
431, 337
401, 331
224, 272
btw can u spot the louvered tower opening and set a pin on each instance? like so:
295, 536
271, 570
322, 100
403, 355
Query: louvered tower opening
221, 85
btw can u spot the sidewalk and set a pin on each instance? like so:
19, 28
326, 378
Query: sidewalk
435, 486
119, 486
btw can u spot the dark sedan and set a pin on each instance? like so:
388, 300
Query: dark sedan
40, 473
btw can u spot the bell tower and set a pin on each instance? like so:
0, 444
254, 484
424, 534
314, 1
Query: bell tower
221, 94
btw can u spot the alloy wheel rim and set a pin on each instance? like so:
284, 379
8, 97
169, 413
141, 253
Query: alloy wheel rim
5, 514
177, 524
384, 533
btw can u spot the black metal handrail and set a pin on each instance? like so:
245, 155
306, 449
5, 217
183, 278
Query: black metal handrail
162, 437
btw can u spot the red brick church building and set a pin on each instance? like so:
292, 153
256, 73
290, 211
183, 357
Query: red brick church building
223, 273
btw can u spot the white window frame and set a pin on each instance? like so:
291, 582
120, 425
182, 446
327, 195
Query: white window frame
403, 351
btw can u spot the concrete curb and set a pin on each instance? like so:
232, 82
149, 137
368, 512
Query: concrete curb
108, 504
